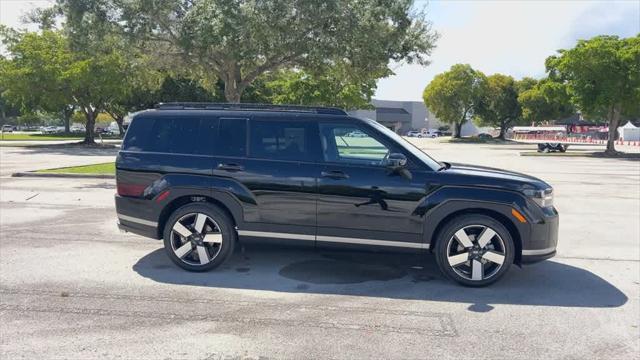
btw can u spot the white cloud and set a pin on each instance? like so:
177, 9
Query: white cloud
510, 37
11, 12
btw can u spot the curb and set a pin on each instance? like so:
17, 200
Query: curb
63, 175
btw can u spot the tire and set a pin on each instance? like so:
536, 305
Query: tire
483, 265
187, 247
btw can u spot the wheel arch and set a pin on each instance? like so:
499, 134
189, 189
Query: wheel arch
182, 200
508, 223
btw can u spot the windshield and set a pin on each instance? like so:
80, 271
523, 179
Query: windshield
431, 163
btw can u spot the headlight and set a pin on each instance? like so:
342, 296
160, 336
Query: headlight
544, 198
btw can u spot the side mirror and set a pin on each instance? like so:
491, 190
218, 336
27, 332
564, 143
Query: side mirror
396, 161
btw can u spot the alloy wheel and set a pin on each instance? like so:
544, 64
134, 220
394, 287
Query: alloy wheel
476, 252
196, 239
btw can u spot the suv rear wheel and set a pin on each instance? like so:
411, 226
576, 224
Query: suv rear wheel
474, 250
199, 237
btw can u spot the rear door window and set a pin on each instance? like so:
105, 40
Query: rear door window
283, 140
232, 139
175, 135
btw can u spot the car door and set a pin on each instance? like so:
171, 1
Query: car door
360, 201
279, 170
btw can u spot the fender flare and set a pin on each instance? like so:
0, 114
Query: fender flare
229, 193
448, 201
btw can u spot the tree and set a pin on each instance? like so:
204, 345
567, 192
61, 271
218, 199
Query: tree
45, 73
238, 41
336, 86
603, 77
498, 105
544, 100
30, 85
454, 95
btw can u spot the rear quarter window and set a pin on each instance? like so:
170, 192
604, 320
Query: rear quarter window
175, 135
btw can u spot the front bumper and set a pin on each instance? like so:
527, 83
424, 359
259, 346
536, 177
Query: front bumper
543, 238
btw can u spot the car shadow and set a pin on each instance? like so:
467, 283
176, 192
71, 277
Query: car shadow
398, 276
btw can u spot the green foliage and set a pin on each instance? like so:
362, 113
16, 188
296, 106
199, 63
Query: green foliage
498, 106
602, 76
334, 87
46, 74
30, 119
454, 95
95, 169
545, 100
238, 41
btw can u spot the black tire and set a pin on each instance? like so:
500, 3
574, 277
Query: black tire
502, 244
223, 226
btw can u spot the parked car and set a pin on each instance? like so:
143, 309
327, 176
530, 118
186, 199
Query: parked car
50, 130
485, 136
552, 147
8, 128
204, 179
358, 134
432, 133
77, 129
414, 133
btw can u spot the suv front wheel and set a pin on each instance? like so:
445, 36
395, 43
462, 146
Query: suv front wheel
199, 237
474, 250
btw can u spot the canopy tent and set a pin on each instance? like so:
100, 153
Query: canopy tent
629, 132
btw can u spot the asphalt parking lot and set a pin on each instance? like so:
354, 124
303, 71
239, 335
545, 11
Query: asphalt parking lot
72, 286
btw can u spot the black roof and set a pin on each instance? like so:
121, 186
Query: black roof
249, 107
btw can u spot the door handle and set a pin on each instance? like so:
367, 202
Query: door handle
337, 175
230, 167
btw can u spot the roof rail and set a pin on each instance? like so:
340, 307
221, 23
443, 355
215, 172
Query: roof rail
248, 106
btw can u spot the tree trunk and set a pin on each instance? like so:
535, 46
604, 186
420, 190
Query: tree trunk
120, 122
67, 112
614, 120
231, 91
503, 130
457, 130
90, 115
66, 118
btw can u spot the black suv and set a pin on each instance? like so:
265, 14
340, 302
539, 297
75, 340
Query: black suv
202, 176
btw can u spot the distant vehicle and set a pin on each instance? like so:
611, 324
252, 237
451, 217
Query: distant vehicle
485, 136
104, 131
358, 134
552, 147
8, 128
77, 129
432, 133
414, 133
50, 130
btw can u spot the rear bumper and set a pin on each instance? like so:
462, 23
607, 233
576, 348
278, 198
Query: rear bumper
136, 224
534, 258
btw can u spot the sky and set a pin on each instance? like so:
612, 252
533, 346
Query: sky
509, 37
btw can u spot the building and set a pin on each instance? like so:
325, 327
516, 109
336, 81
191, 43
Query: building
400, 116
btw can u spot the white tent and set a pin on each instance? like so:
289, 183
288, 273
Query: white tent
629, 132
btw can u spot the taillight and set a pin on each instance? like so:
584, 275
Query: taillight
131, 189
